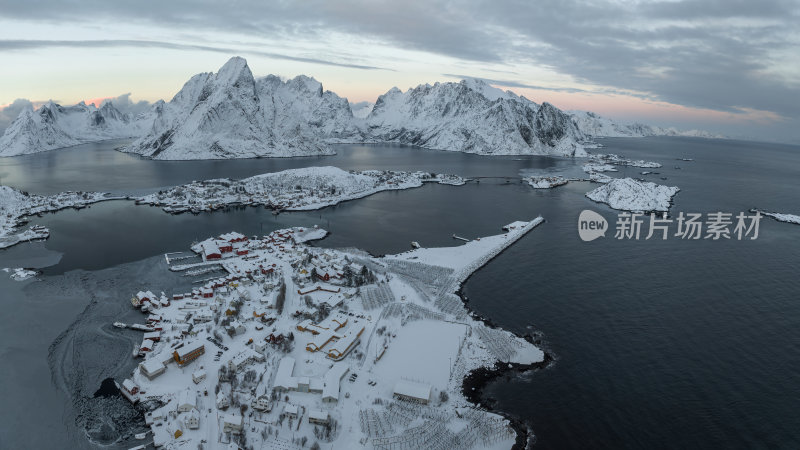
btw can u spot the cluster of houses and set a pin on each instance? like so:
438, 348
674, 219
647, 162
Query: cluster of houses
227, 244
241, 303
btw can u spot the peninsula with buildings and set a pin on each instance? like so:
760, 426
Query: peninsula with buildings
287, 345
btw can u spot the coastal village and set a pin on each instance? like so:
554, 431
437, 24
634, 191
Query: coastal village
291, 190
286, 345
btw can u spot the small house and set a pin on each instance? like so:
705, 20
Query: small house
222, 401
318, 417
187, 400
412, 391
262, 403
152, 368
192, 419
290, 411
232, 423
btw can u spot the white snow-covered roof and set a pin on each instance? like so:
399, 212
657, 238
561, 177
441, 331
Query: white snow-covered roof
152, 366
341, 346
290, 409
210, 247
230, 236
233, 419
128, 384
152, 335
283, 377
332, 380
142, 295
317, 414
189, 348
243, 356
187, 397
321, 339
413, 389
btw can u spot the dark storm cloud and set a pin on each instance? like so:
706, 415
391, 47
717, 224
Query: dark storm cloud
702, 53
22, 44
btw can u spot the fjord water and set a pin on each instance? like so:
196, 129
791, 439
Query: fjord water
658, 344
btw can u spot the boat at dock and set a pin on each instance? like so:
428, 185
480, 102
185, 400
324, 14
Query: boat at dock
120, 325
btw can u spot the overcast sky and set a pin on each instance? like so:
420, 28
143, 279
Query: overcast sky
728, 66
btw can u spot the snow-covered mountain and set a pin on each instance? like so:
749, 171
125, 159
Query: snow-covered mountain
230, 114
302, 100
594, 125
473, 117
54, 126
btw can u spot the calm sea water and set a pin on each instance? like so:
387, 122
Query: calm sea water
658, 344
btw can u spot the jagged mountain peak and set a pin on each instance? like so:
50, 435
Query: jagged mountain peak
306, 83
235, 73
473, 117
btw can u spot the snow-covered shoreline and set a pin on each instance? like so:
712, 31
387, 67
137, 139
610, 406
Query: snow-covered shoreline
291, 190
780, 217
15, 205
628, 194
408, 319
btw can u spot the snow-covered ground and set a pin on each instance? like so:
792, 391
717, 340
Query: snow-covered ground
15, 204
632, 195
598, 167
545, 182
295, 189
374, 350
781, 217
20, 274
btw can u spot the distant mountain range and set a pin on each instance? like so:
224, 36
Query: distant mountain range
54, 126
594, 125
231, 114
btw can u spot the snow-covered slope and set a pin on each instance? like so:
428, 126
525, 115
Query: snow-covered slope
301, 102
473, 117
594, 125
361, 109
230, 114
54, 126
632, 195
